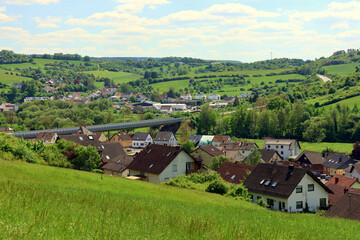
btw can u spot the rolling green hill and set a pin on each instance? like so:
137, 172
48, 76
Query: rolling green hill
342, 69
40, 202
10, 79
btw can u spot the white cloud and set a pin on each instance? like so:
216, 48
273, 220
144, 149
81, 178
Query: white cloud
13, 33
4, 17
340, 26
29, 2
49, 22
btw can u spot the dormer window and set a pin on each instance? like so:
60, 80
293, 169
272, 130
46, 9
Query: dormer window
233, 177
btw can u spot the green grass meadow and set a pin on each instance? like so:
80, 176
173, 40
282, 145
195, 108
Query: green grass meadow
118, 77
10, 79
342, 69
40, 202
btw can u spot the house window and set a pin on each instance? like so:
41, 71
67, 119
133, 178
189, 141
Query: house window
268, 146
282, 146
174, 168
299, 205
322, 202
270, 202
282, 152
166, 179
277, 146
299, 189
310, 187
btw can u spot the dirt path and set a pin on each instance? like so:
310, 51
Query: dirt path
324, 78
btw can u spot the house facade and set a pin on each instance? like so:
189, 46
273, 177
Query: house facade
200, 96
285, 147
141, 140
158, 163
353, 171
123, 138
337, 163
206, 153
165, 139
286, 188
215, 97
311, 161
186, 97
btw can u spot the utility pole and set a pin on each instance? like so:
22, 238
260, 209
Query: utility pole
271, 55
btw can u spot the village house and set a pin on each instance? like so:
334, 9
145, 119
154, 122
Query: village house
270, 156
141, 140
340, 185
18, 85
174, 106
353, 171
200, 96
31, 99
336, 163
47, 137
285, 147
186, 97
49, 89
244, 148
347, 206
6, 129
7, 107
311, 161
229, 99
114, 159
123, 138
157, 163
220, 139
127, 95
140, 98
206, 153
286, 188
215, 97
165, 139
235, 172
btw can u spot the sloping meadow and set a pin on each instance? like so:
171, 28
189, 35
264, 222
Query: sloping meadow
42, 202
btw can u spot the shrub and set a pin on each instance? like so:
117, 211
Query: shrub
261, 202
217, 187
97, 171
238, 191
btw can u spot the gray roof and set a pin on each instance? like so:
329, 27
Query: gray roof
338, 161
140, 136
163, 136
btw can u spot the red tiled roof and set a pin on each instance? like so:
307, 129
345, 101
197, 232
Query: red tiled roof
213, 151
342, 180
220, 138
346, 206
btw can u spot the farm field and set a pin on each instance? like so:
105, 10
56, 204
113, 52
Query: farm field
118, 77
40, 202
10, 79
38, 63
349, 102
342, 69
230, 89
316, 147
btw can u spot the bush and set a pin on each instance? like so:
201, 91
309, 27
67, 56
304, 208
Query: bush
261, 202
217, 187
97, 171
238, 191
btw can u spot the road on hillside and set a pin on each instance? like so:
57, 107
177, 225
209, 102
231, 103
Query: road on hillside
324, 78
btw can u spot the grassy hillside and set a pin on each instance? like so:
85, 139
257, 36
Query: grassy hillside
10, 79
341, 69
118, 77
38, 63
349, 102
38, 202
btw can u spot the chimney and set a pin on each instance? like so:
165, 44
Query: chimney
345, 190
323, 155
336, 180
291, 168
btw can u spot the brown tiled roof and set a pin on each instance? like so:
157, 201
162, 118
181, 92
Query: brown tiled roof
289, 142
220, 138
342, 180
247, 146
347, 206
140, 136
120, 165
213, 151
83, 140
45, 136
123, 136
285, 178
267, 154
238, 145
163, 136
154, 158
112, 152
338, 191
311, 157
234, 172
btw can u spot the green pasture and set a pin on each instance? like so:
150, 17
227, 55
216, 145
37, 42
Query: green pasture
342, 69
118, 77
41, 202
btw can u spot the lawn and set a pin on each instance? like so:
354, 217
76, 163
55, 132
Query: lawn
315, 147
342, 69
118, 77
10, 79
41, 202
349, 102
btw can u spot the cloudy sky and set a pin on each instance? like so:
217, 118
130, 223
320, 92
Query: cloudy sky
245, 30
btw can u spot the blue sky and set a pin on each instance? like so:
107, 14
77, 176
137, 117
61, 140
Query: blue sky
244, 30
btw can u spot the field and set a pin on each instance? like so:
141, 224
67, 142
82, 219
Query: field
40, 202
341, 69
349, 102
315, 147
229, 89
118, 77
38, 63
10, 79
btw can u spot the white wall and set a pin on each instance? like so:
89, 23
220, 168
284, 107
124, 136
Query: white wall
142, 144
284, 150
354, 174
312, 198
265, 197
